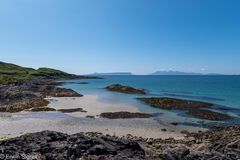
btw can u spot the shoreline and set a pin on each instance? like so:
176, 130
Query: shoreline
70, 123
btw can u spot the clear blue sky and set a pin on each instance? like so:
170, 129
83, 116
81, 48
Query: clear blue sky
141, 36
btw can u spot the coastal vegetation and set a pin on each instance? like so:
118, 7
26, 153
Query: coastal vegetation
11, 73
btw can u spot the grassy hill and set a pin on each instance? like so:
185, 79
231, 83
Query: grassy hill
10, 73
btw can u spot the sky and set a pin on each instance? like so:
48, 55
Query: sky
139, 36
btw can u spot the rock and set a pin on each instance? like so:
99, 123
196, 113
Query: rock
57, 146
164, 130
61, 92
40, 109
209, 115
174, 104
118, 115
70, 110
193, 108
125, 89
178, 152
30, 94
184, 132
88, 116
217, 143
174, 123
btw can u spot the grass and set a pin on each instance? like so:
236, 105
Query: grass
11, 73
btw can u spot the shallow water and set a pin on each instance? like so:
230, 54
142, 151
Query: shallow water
220, 90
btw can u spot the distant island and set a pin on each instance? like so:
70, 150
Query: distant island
163, 73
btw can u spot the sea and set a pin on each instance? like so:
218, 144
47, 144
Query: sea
220, 90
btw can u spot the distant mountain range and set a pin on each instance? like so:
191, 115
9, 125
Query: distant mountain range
174, 73
180, 73
113, 73
170, 72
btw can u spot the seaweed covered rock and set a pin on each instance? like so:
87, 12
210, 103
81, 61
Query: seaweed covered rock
125, 89
193, 108
118, 115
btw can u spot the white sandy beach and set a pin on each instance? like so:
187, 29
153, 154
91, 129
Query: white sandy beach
15, 124
89, 103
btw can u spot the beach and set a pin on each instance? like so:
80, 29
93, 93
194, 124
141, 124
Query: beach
134, 117
29, 122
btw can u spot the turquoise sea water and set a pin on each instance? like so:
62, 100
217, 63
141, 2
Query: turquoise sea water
220, 90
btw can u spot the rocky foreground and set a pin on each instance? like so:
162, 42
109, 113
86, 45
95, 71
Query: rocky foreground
59, 146
216, 144
193, 108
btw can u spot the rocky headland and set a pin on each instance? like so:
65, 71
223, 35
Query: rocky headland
24, 88
125, 89
193, 108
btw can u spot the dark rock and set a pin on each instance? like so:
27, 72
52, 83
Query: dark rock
218, 143
174, 104
193, 108
30, 94
88, 116
59, 146
41, 109
70, 110
61, 92
184, 132
174, 123
118, 115
164, 130
125, 89
209, 115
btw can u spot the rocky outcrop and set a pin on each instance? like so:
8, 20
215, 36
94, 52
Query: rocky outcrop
125, 89
30, 94
60, 92
174, 104
46, 109
122, 115
59, 146
217, 143
193, 108
208, 115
